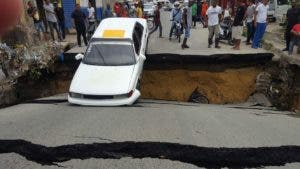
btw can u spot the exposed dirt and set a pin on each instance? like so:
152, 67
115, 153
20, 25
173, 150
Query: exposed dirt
229, 86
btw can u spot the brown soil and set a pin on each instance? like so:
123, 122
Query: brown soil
230, 86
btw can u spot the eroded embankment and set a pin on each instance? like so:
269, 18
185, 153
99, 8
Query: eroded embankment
227, 86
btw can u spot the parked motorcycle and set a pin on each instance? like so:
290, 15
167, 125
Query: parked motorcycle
226, 30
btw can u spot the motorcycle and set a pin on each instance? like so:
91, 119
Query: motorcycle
226, 30
177, 32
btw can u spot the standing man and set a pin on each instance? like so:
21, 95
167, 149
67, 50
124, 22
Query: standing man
157, 20
292, 16
237, 28
194, 13
249, 21
138, 10
295, 40
61, 19
117, 9
176, 17
214, 13
204, 8
51, 19
79, 23
107, 12
91, 20
260, 23
187, 23
38, 23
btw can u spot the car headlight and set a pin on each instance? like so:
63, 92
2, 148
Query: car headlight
75, 95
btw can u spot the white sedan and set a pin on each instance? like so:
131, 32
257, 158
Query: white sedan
110, 71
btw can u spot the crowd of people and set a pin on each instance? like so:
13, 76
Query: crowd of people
253, 15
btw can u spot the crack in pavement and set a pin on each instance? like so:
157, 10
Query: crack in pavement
207, 157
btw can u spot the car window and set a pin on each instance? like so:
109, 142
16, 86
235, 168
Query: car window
283, 2
137, 37
109, 54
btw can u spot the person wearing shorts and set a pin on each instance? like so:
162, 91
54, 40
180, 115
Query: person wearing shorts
237, 28
295, 38
38, 23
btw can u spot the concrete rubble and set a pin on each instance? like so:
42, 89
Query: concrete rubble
19, 57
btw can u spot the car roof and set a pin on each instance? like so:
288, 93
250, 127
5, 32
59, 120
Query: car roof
118, 28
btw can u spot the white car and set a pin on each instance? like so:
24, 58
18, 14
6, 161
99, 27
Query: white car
110, 71
149, 9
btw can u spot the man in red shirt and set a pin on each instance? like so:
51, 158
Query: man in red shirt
204, 8
295, 32
157, 21
117, 9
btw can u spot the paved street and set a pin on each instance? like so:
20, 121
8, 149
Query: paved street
197, 42
51, 133
55, 123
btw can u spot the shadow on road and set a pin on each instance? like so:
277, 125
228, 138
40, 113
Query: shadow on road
198, 156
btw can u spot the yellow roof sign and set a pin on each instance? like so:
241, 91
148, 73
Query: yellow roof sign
113, 34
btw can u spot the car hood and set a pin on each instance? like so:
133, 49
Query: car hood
148, 10
102, 80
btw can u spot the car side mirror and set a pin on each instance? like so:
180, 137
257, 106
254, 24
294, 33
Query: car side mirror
79, 56
143, 57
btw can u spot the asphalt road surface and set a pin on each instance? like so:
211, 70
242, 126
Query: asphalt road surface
150, 134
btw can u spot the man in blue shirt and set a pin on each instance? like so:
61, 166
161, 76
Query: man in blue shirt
176, 17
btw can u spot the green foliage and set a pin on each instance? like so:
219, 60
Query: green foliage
35, 74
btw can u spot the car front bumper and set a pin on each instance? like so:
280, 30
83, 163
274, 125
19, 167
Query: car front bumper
105, 102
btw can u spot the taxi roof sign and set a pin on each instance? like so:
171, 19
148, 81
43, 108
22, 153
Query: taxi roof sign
113, 34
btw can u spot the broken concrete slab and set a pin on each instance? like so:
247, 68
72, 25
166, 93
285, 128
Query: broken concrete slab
2, 75
260, 99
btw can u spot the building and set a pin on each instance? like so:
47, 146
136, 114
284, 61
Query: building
69, 5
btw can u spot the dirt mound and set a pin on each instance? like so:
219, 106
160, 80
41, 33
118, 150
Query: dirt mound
230, 86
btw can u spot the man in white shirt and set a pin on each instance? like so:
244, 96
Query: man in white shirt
51, 19
214, 14
92, 20
260, 22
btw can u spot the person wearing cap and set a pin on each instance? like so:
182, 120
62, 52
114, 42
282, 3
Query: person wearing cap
61, 19
51, 19
176, 17
292, 16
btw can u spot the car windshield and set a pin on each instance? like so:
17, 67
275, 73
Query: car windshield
148, 6
283, 2
109, 54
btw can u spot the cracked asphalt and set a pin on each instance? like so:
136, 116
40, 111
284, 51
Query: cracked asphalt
51, 124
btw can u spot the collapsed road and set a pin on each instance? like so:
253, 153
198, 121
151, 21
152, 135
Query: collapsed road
240, 128
152, 134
